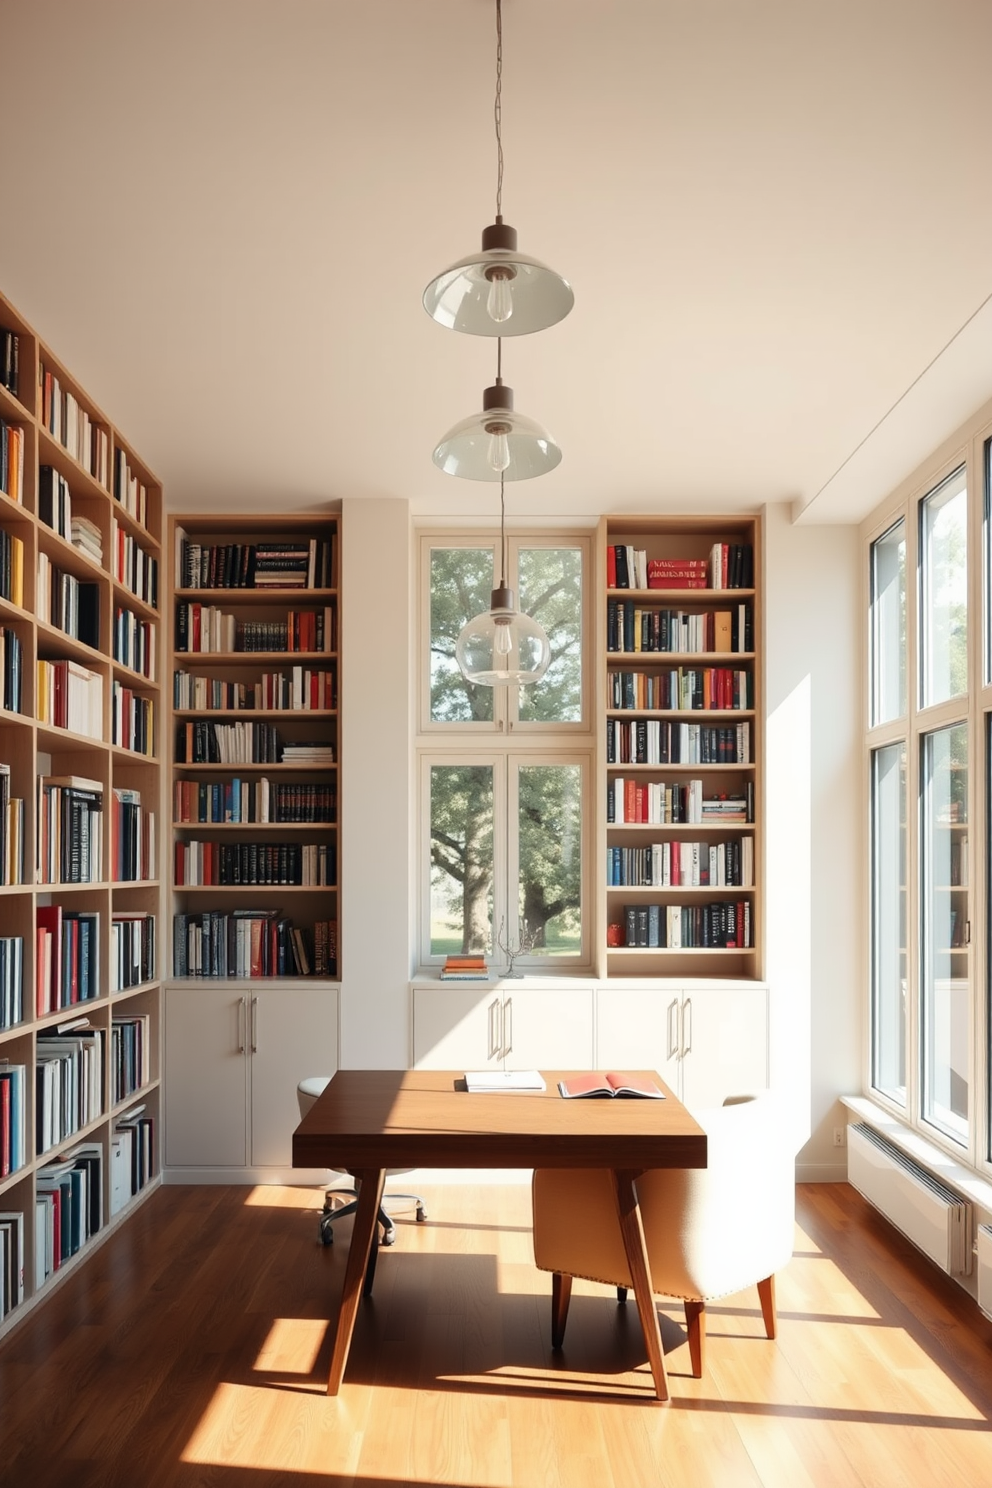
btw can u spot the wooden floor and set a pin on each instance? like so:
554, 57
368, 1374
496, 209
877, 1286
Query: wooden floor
192, 1349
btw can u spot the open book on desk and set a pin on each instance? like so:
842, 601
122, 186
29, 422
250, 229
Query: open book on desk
609, 1084
488, 1081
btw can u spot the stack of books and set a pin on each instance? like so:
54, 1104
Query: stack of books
465, 969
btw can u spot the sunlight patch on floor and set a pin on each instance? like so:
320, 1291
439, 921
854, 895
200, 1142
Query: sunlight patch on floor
291, 1346
247, 1426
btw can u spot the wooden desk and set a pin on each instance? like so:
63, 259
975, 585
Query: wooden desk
369, 1120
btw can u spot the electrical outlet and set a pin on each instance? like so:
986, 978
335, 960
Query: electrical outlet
838, 1136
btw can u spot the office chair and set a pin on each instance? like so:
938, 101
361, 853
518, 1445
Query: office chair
709, 1231
307, 1092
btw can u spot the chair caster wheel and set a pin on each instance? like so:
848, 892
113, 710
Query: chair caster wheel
326, 1231
389, 1238
421, 1213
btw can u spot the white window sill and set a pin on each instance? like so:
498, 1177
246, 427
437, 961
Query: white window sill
964, 1180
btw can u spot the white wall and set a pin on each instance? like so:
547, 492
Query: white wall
376, 806
814, 866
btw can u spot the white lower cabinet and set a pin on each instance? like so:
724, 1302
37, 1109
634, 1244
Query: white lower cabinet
468, 1027
705, 1042
233, 1059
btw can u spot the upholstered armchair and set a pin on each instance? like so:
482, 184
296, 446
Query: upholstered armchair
709, 1232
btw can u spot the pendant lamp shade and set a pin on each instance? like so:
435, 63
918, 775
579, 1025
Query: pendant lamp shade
497, 442
504, 647
498, 291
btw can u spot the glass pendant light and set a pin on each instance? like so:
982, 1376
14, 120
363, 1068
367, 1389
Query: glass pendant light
497, 443
498, 291
504, 647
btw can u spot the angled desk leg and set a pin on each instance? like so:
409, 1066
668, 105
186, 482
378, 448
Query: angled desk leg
640, 1271
371, 1183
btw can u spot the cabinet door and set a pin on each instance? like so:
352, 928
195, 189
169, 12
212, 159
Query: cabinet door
639, 1028
206, 1077
292, 1034
724, 1044
547, 1029
457, 1028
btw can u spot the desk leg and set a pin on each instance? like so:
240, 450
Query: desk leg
640, 1271
371, 1183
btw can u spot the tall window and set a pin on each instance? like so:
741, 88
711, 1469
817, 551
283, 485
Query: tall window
888, 921
507, 773
888, 625
946, 930
944, 591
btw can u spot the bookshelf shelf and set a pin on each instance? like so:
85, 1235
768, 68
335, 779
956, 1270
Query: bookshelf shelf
682, 646
62, 933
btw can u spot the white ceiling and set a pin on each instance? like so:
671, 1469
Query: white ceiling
775, 215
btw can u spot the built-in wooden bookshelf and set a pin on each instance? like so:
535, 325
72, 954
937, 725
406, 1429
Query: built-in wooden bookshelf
681, 853
80, 784
254, 725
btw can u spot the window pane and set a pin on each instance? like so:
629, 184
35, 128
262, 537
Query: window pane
461, 859
550, 848
944, 590
550, 591
888, 921
946, 930
888, 625
461, 588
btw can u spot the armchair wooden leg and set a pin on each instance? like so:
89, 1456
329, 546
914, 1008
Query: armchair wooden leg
766, 1295
695, 1323
561, 1293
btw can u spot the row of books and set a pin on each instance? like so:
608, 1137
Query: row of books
270, 563
686, 865
11, 670
722, 925
300, 690
132, 1156
732, 566
54, 501
132, 566
201, 742
133, 844
305, 864
206, 629
68, 603
250, 801
11, 980
681, 688
130, 1054
70, 830
251, 943
70, 696
68, 421
132, 949
10, 352
11, 1261
11, 831
659, 741
132, 719
136, 643
69, 1070
13, 1117
11, 567
634, 802
129, 490
629, 627
69, 1207
12, 460
67, 958
628, 567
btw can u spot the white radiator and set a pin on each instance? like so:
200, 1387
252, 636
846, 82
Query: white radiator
985, 1269
937, 1220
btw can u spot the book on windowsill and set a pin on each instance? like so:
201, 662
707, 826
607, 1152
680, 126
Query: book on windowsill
465, 969
610, 1084
490, 1081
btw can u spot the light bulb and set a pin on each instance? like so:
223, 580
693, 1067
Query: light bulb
499, 446
503, 638
499, 302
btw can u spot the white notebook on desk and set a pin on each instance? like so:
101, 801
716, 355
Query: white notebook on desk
479, 1081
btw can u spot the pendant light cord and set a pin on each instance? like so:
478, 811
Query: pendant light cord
502, 530
498, 109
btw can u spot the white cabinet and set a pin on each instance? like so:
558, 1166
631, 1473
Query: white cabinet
502, 1026
705, 1042
233, 1059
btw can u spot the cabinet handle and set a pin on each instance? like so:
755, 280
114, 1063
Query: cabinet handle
508, 1027
673, 1036
687, 1027
493, 1035
254, 1025
242, 1009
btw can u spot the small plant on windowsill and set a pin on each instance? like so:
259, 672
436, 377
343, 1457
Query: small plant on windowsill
526, 942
